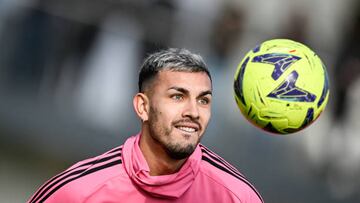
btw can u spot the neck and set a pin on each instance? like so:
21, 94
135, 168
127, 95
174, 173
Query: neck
156, 157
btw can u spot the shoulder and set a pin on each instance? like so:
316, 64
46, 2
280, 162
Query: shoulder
79, 180
227, 176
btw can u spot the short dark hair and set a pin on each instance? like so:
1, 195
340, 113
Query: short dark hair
173, 59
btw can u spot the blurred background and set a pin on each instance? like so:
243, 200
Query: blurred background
68, 71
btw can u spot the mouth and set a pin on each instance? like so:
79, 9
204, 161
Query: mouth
188, 127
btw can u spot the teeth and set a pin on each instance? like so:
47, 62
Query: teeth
187, 129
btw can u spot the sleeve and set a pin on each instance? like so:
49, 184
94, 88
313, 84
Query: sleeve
254, 197
56, 196
245, 193
57, 188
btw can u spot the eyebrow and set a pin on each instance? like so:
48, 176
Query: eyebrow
185, 91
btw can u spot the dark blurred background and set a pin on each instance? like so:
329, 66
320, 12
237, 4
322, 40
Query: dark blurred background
68, 71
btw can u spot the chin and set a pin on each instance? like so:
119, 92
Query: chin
177, 152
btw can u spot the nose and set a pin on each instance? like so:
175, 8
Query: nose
191, 109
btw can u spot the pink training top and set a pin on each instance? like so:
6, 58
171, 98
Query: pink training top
122, 175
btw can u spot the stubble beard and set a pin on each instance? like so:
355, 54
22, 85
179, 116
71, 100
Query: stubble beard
162, 135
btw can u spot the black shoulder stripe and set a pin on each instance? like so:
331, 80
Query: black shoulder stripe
213, 154
53, 181
117, 149
220, 160
110, 164
233, 174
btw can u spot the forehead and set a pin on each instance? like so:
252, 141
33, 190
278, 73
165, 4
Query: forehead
195, 81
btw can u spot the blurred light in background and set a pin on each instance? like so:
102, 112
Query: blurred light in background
68, 70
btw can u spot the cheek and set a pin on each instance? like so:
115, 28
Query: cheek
163, 113
170, 111
206, 115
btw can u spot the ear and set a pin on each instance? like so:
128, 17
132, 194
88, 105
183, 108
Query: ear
141, 106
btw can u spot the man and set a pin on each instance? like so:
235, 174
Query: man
164, 162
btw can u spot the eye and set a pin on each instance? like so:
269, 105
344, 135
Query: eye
204, 101
177, 97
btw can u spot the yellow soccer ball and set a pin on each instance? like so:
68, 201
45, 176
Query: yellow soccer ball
281, 86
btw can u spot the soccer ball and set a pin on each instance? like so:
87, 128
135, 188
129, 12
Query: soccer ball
281, 86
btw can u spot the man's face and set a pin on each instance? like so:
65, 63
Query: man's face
180, 109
